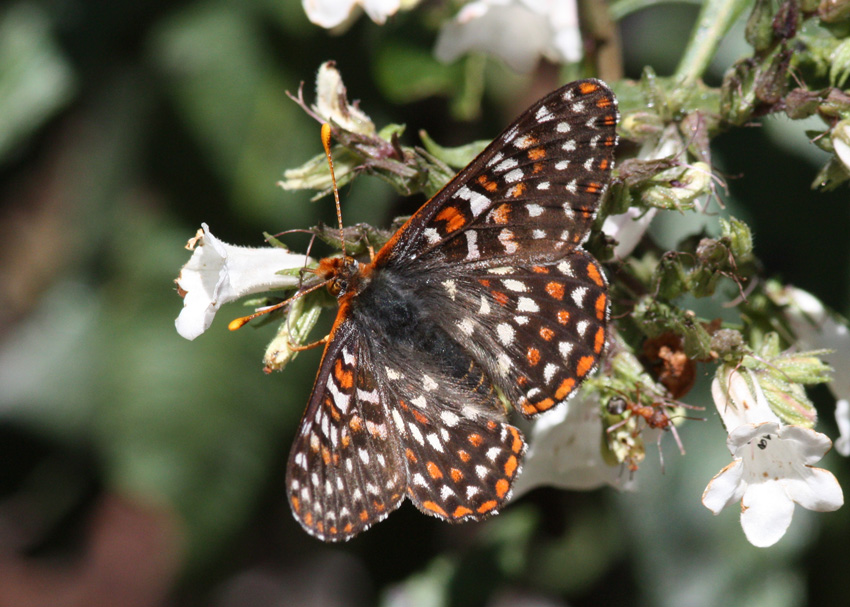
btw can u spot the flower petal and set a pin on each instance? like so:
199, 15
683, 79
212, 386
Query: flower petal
817, 490
811, 446
766, 512
725, 488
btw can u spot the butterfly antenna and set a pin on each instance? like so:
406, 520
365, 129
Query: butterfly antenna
326, 143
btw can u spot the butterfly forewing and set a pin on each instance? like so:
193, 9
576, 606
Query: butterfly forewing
344, 471
531, 193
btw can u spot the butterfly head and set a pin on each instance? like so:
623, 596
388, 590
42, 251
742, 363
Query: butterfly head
345, 275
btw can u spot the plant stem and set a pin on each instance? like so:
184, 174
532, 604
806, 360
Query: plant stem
715, 20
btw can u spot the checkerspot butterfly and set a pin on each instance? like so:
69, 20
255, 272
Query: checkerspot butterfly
484, 298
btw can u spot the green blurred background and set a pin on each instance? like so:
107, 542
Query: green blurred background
137, 468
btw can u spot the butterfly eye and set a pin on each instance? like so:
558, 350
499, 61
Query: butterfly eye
336, 286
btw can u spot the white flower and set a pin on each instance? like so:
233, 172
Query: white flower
517, 31
772, 471
739, 398
816, 328
331, 13
332, 102
565, 450
219, 273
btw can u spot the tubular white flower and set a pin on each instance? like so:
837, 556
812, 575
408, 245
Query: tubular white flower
331, 13
771, 472
332, 102
517, 31
218, 273
739, 398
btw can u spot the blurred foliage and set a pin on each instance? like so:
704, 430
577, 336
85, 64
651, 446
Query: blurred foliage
123, 125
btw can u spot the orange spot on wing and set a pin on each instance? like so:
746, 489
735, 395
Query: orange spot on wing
435, 508
475, 440
346, 440
464, 456
456, 475
502, 487
419, 417
333, 530
356, 424
545, 404
563, 317
461, 511
320, 527
536, 154
433, 470
518, 190
547, 333
565, 388
345, 378
555, 289
296, 504
364, 515
592, 187
487, 506
540, 269
487, 184
516, 445
599, 340
594, 275
411, 457
603, 164
502, 213
484, 282
347, 529
501, 298
511, 465
585, 88
533, 356
603, 102
491, 425
601, 306
326, 455
454, 219
585, 364
308, 519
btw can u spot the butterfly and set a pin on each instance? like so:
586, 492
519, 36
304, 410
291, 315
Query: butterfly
483, 301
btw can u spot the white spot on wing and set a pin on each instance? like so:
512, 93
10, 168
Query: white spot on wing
505, 333
505, 165
477, 201
506, 237
515, 285
549, 372
578, 295
526, 304
534, 210
472, 245
435, 443
514, 176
